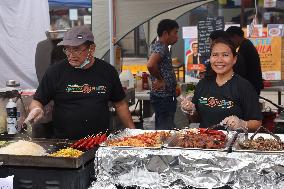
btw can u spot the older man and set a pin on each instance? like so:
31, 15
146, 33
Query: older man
81, 87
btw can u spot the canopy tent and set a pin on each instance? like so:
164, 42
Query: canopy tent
70, 3
22, 25
129, 14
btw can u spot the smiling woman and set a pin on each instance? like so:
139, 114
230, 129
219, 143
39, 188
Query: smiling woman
227, 98
222, 59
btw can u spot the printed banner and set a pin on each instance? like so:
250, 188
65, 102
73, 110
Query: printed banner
269, 50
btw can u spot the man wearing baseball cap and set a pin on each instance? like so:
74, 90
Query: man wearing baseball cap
81, 87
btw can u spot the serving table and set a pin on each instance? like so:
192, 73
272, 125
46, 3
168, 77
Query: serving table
278, 89
159, 168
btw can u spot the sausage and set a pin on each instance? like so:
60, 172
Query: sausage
77, 143
91, 142
82, 146
96, 142
102, 138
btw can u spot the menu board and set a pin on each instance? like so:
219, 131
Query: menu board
205, 27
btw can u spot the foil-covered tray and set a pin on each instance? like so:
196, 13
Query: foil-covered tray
177, 168
172, 143
124, 138
242, 144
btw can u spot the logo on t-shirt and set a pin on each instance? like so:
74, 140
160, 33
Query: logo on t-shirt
213, 102
86, 88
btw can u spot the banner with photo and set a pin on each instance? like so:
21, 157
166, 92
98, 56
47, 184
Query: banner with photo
193, 62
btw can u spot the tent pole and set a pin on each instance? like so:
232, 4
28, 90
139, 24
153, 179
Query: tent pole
111, 42
148, 41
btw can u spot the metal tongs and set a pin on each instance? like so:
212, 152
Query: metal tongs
238, 131
226, 127
267, 131
26, 124
219, 125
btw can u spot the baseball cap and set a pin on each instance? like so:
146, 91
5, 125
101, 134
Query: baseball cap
76, 36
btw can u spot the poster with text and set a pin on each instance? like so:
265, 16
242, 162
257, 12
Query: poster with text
269, 50
275, 30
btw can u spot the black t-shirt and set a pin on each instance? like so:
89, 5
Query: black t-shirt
195, 59
80, 97
252, 62
236, 97
240, 67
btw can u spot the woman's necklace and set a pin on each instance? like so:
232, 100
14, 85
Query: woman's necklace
220, 83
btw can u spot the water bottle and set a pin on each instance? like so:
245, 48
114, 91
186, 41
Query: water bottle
11, 109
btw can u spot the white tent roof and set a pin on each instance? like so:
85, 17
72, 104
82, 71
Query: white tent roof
132, 13
22, 25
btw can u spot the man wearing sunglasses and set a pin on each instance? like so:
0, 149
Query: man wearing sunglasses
81, 87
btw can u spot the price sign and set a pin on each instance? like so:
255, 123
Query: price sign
6, 183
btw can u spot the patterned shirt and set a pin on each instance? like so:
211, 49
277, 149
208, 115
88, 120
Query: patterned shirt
166, 70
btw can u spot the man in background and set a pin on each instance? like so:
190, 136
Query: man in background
250, 56
163, 92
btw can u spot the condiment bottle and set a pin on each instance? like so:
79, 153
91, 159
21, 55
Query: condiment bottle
145, 84
11, 109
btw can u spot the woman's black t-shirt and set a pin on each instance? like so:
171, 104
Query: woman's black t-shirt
236, 97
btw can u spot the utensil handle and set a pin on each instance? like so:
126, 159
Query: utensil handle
272, 134
230, 148
252, 136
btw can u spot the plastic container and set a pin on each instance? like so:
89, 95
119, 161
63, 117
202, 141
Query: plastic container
12, 114
125, 76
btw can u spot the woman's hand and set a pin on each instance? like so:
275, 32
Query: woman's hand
235, 123
187, 106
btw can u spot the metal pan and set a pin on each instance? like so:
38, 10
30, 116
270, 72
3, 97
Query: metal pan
171, 143
50, 145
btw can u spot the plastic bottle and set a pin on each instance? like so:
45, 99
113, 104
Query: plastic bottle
11, 109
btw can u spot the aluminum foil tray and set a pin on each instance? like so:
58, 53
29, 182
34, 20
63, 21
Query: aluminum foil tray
132, 132
50, 145
178, 168
181, 132
241, 138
